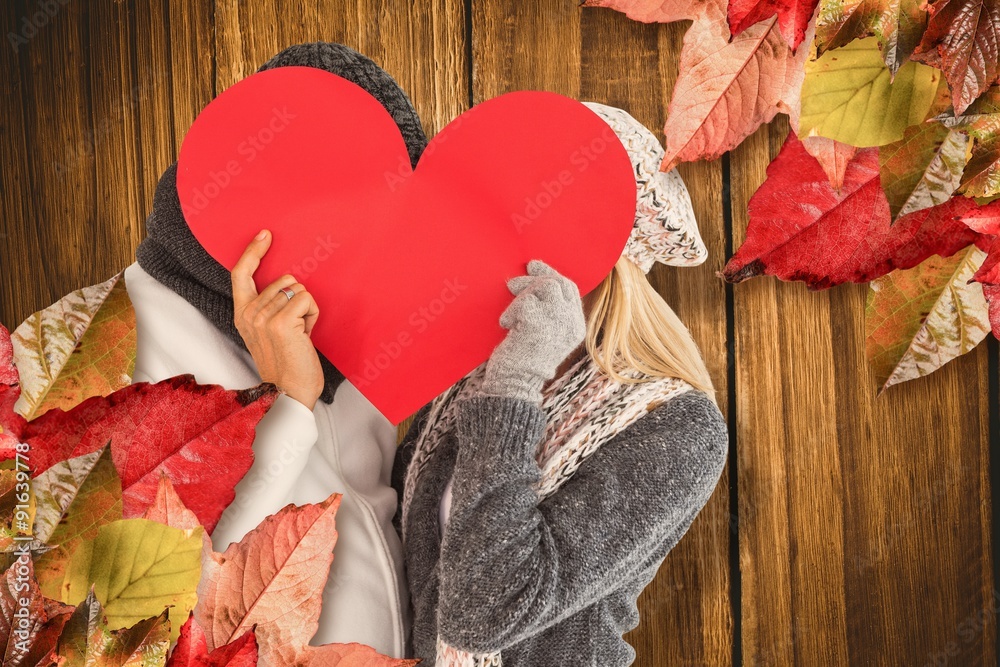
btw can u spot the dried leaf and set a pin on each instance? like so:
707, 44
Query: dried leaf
192, 649
793, 16
74, 499
832, 156
801, 228
272, 580
136, 568
898, 26
963, 40
848, 96
199, 435
81, 346
725, 90
919, 319
981, 177
923, 169
86, 640
30, 624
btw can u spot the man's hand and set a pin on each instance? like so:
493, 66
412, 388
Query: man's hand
276, 328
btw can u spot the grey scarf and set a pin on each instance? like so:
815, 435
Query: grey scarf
171, 254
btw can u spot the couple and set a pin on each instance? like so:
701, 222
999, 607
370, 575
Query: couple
528, 505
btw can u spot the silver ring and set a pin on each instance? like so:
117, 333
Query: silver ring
289, 292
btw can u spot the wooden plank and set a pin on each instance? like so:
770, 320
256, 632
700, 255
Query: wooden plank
421, 45
602, 56
48, 172
848, 553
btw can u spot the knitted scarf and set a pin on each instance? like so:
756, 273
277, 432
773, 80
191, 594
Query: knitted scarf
171, 254
584, 409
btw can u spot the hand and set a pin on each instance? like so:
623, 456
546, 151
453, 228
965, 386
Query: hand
546, 323
276, 329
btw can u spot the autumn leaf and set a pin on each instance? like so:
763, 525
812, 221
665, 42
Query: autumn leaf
199, 435
832, 156
155, 566
11, 423
30, 624
272, 580
981, 177
922, 169
919, 319
725, 90
74, 499
992, 294
86, 640
801, 228
664, 11
984, 219
81, 346
848, 96
793, 16
192, 649
898, 26
963, 40
168, 508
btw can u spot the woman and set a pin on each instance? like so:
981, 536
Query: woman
542, 492
321, 436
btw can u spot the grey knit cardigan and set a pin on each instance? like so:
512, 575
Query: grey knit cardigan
553, 582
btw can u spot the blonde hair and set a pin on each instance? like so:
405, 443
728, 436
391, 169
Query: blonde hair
631, 327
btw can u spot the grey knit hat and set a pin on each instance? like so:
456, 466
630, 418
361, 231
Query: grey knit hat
171, 254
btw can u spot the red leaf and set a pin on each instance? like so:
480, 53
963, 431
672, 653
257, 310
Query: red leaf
8, 374
192, 649
726, 90
962, 39
989, 272
793, 16
992, 294
11, 423
984, 219
199, 435
802, 229
832, 155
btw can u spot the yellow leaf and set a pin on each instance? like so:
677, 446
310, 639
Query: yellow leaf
137, 567
81, 346
850, 96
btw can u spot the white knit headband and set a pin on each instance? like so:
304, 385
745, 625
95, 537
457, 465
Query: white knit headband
665, 229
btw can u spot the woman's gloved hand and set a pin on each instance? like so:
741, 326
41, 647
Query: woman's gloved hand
276, 328
546, 323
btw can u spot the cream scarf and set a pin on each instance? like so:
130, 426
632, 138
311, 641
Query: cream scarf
584, 408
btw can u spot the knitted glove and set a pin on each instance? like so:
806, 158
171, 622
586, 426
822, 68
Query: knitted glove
546, 323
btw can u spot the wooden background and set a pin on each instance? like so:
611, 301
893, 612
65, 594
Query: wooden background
848, 529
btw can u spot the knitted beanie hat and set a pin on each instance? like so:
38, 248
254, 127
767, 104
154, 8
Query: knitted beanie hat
171, 254
665, 229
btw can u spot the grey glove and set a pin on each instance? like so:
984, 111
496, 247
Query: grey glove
546, 323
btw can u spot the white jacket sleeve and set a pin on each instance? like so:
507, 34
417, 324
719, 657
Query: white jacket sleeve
174, 338
281, 449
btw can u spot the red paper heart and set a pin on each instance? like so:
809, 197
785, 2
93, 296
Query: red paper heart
409, 267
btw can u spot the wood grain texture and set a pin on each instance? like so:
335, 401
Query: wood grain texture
604, 57
864, 524
864, 521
